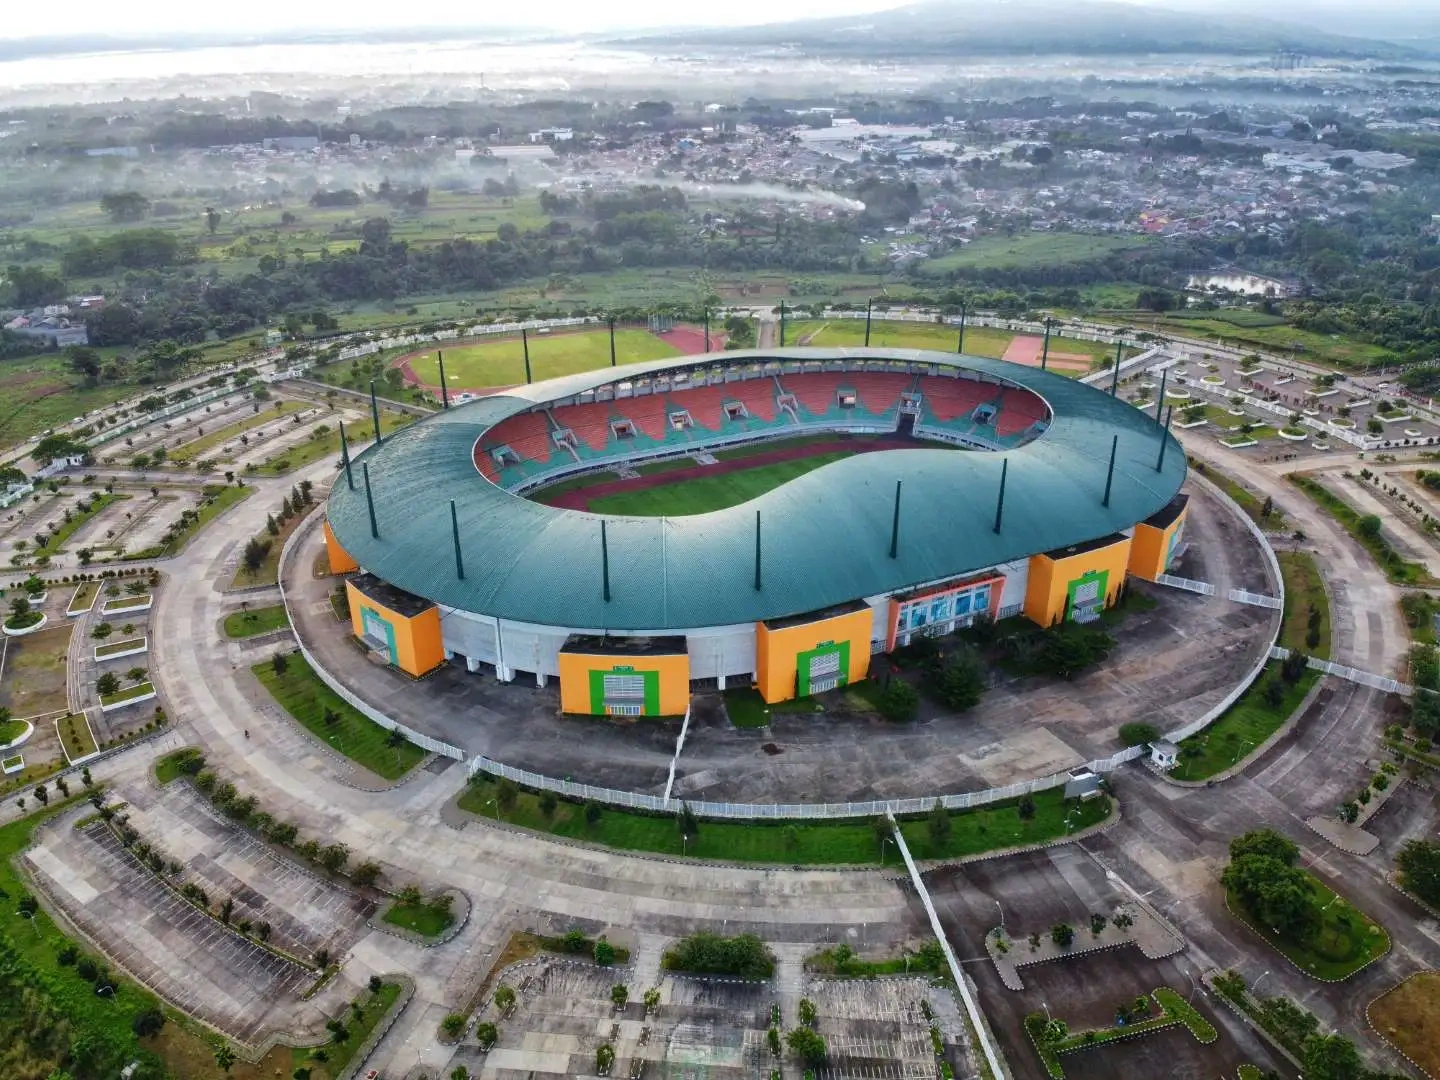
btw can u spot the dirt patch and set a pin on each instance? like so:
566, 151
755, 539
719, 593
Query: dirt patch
34, 677
1027, 349
690, 340
1409, 1017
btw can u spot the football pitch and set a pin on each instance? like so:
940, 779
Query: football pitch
501, 362
979, 340
706, 493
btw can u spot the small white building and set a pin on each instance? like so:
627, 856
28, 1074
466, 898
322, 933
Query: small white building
1164, 755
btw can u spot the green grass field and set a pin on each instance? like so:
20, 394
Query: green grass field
301, 693
805, 843
502, 362
707, 493
1030, 249
1242, 727
1303, 590
1343, 942
201, 445
242, 624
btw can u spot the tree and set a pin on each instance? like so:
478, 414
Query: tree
652, 999
689, 823
212, 220
1062, 934
1265, 842
619, 995
254, 553
279, 663
1419, 866
148, 1022
937, 826
547, 803
1369, 526
959, 683
453, 1025
604, 953
506, 794
486, 1035
1138, 734
224, 1058
898, 701
807, 1045
504, 998
334, 857
808, 1012
574, 940
593, 813
1275, 893
107, 684
125, 206
459, 1073
1332, 1057
366, 874
1025, 808
604, 1058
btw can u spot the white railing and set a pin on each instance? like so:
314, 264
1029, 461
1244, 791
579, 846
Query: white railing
1350, 674
425, 742
1273, 564
1204, 588
1243, 596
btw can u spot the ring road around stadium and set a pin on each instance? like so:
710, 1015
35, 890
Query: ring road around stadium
1008, 490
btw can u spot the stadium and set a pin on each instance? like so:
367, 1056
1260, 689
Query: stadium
788, 514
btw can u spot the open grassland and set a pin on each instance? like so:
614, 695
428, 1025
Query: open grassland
1030, 249
252, 621
501, 362
1409, 1016
339, 725
323, 443
707, 493
819, 843
1335, 349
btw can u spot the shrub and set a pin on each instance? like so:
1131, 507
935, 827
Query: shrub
604, 953
898, 701
486, 1034
710, 954
1137, 734
148, 1022
453, 1025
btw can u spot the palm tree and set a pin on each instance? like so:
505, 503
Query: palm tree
394, 741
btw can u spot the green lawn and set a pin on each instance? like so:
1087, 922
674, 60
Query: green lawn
129, 692
1397, 570
706, 493
170, 768
1344, 942
326, 443
200, 447
110, 648
1241, 728
301, 693
747, 709
75, 736
818, 843
84, 597
1303, 590
242, 624
501, 362
421, 918
1030, 249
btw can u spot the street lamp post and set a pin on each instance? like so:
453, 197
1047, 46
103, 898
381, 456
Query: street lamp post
1256, 986
1002, 914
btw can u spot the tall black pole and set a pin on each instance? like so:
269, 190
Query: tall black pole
1110, 473
757, 550
369, 499
782, 324
345, 458
612, 340
1164, 439
455, 533
1115, 378
868, 304
707, 330
1160, 398
444, 390
1000, 499
525, 344
1045, 351
604, 562
895, 524
960, 345
375, 413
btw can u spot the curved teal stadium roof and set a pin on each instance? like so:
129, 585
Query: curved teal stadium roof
825, 535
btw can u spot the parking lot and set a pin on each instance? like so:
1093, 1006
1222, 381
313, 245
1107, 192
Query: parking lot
187, 957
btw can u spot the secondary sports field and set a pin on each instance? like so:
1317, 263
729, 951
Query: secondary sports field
478, 365
1072, 357
680, 487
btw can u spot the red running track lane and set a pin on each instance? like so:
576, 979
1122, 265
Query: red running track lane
579, 498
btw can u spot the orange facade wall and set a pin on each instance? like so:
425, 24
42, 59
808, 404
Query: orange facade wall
340, 560
578, 672
778, 652
414, 642
1048, 590
1150, 547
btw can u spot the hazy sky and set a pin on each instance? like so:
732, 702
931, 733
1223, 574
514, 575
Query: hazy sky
162, 16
